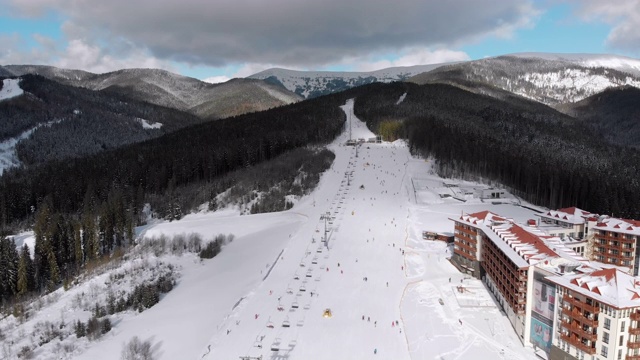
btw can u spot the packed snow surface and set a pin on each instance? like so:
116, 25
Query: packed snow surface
371, 291
621, 63
401, 99
10, 88
8, 155
147, 125
577, 84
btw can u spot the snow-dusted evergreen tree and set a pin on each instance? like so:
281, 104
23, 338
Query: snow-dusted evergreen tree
25, 268
54, 271
41, 232
8, 268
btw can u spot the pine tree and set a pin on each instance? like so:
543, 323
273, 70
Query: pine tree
105, 325
80, 329
54, 270
8, 268
90, 238
23, 271
40, 229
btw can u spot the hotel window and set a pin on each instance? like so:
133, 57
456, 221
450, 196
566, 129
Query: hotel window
621, 342
620, 354
622, 325
605, 337
604, 351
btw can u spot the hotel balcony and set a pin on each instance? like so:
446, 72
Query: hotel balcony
577, 315
634, 344
575, 341
632, 357
587, 334
582, 305
635, 316
634, 331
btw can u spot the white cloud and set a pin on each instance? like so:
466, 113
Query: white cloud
81, 55
298, 34
622, 15
413, 56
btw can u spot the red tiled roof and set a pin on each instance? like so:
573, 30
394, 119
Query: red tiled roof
607, 273
569, 210
635, 223
528, 238
481, 214
597, 291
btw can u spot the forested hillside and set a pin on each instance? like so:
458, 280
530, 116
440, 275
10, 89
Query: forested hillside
198, 153
613, 113
84, 209
79, 121
544, 156
549, 81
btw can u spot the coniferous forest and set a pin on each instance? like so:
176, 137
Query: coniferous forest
543, 156
83, 209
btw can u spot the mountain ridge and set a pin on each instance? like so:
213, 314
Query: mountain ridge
164, 88
548, 81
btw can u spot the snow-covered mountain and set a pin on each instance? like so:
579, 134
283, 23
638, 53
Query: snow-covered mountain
616, 62
547, 78
310, 84
164, 88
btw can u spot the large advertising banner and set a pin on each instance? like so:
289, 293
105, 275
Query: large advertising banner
541, 334
544, 300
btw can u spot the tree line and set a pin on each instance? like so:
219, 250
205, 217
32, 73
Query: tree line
84, 209
543, 156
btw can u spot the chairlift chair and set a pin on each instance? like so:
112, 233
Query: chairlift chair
286, 324
275, 346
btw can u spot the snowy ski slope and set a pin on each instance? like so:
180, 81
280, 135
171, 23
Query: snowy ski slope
240, 293
378, 203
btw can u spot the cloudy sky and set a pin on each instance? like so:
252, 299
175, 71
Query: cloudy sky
220, 39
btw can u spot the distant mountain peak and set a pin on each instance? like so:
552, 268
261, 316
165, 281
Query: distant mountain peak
310, 84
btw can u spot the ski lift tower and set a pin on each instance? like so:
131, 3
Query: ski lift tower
326, 216
350, 125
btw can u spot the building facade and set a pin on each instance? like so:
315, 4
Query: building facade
559, 302
615, 241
